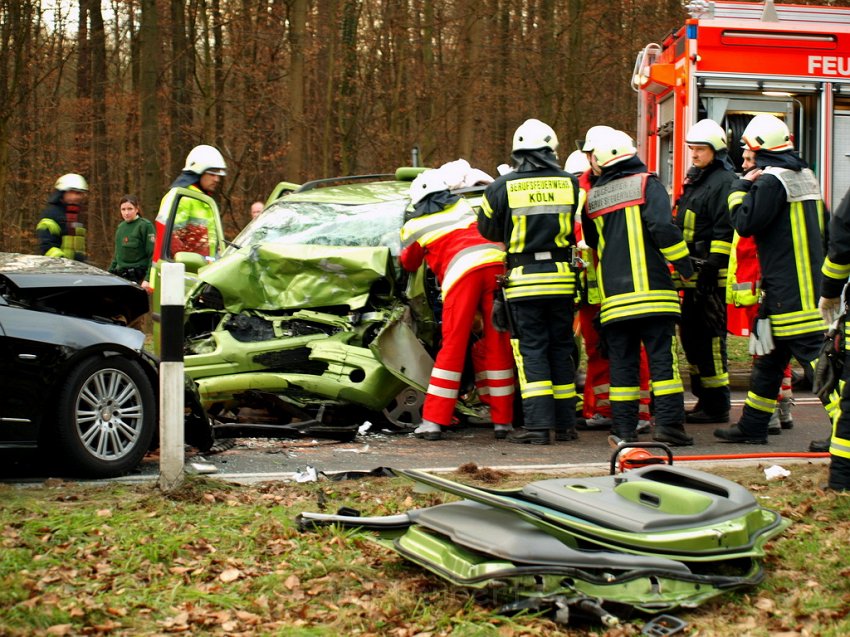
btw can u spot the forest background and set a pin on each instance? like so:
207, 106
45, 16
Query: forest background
291, 90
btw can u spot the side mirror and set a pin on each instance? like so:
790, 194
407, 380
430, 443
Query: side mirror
192, 260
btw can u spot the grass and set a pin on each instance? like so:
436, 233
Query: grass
216, 558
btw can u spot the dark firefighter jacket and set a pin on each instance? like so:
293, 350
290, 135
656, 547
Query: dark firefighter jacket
836, 266
785, 214
702, 213
531, 212
59, 232
629, 222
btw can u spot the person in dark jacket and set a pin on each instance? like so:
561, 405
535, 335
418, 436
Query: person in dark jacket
134, 239
836, 270
703, 216
530, 209
60, 231
781, 207
629, 222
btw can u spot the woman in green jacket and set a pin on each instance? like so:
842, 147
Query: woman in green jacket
134, 239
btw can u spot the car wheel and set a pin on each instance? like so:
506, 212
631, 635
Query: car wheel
405, 410
106, 417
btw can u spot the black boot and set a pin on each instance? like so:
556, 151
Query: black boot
672, 436
565, 435
734, 434
530, 437
819, 446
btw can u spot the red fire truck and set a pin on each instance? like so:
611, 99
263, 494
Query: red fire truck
732, 60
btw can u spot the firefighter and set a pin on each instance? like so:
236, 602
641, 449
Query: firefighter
702, 214
194, 227
779, 204
443, 231
629, 222
530, 210
836, 269
60, 231
596, 407
743, 287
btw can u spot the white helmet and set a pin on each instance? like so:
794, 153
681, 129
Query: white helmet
426, 183
766, 132
533, 134
71, 181
612, 148
205, 159
577, 163
707, 132
586, 145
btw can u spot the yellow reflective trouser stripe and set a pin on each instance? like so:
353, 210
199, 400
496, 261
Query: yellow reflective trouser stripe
721, 247
621, 394
688, 226
537, 388
667, 387
637, 250
720, 380
564, 391
800, 234
521, 291
676, 251
54, 252
835, 270
760, 402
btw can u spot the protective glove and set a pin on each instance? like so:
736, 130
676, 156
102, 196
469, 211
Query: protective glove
499, 315
707, 278
828, 309
761, 339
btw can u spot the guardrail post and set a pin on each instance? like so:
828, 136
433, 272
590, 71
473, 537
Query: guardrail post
171, 399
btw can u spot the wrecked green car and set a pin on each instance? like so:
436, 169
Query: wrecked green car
306, 324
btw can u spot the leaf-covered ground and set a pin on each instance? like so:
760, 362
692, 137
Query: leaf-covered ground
222, 559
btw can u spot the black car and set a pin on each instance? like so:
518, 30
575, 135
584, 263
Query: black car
74, 377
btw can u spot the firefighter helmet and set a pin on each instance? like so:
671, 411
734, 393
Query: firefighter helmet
593, 133
707, 132
205, 159
71, 181
533, 134
427, 183
577, 163
613, 147
767, 132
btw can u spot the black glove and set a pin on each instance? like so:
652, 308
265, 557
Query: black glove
707, 279
499, 315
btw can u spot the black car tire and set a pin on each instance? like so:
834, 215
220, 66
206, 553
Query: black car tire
106, 417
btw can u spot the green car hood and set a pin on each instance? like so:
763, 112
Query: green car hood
285, 277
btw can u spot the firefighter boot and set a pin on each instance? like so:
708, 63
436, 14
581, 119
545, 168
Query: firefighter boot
734, 434
674, 436
530, 437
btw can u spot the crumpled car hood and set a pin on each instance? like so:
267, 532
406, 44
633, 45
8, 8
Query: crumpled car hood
283, 277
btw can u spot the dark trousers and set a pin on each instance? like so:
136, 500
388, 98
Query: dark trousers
703, 335
543, 344
624, 339
839, 446
766, 379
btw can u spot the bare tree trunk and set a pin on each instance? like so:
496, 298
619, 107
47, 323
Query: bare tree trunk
99, 226
348, 86
180, 102
149, 134
295, 133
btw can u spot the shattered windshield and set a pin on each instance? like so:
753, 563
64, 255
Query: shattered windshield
327, 224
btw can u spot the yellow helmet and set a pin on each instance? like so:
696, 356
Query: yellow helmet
612, 147
767, 132
533, 134
707, 132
